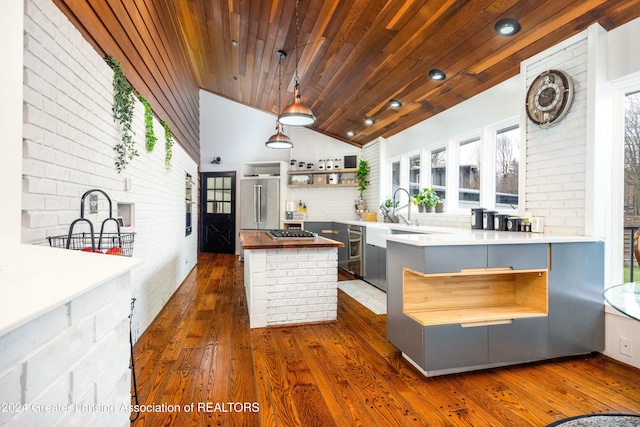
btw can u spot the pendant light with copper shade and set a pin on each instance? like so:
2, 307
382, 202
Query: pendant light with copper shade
279, 139
297, 114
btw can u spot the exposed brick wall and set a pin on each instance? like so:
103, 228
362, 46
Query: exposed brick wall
69, 135
557, 156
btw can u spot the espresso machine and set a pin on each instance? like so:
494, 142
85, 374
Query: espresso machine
290, 208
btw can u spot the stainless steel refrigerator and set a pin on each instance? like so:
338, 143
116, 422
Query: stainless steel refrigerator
259, 204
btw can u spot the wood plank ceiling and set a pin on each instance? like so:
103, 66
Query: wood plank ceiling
355, 55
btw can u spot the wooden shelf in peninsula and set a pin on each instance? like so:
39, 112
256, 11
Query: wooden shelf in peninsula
475, 297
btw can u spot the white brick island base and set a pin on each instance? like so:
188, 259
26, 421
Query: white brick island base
288, 286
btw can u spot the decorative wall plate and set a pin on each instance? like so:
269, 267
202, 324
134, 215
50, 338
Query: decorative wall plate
549, 97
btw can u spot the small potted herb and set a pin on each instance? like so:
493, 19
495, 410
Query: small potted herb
426, 199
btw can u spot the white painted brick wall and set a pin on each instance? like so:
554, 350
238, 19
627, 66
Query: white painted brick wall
557, 156
69, 134
75, 354
291, 285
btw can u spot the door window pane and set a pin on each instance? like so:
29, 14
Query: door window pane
439, 171
469, 174
219, 195
507, 163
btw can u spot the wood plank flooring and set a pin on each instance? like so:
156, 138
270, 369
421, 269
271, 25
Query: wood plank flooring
200, 356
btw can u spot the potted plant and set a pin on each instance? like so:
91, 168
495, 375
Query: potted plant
362, 173
426, 200
389, 203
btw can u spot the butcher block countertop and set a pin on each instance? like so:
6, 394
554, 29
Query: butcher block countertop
258, 239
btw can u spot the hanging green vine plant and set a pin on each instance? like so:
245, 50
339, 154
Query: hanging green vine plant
123, 105
149, 136
168, 145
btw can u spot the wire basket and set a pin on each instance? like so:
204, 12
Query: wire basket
106, 243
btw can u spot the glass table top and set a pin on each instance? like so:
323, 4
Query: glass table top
625, 298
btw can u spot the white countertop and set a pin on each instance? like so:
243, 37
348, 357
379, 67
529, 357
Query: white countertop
36, 279
484, 237
423, 235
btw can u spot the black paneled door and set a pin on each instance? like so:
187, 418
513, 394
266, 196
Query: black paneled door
218, 212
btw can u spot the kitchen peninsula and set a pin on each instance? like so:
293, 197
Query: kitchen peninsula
477, 299
289, 280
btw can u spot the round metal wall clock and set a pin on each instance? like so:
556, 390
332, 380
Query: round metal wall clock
549, 97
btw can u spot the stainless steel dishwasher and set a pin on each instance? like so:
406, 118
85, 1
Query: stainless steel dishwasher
356, 249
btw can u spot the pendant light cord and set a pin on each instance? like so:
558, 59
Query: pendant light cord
297, 85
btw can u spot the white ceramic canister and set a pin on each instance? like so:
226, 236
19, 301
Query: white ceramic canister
328, 165
321, 164
333, 178
337, 164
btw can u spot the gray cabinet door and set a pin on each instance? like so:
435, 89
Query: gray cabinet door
318, 227
576, 306
452, 259
371, 269
376, 266
382, 273
523, 340
452, 346
520, 257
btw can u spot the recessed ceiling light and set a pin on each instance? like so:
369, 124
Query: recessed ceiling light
234, 42
507, 27
437, 75
369, 121
395, 103
350, 133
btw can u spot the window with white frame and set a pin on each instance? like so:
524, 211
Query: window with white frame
395, 176
507, 163
439, 171
414, 174
469, 155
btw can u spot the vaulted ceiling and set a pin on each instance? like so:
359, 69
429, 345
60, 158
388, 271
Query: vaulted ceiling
356, 55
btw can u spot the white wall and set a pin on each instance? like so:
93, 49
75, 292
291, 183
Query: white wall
237, 133
496, 104
69, 134
11, 29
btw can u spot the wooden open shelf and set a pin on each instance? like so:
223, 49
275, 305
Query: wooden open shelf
475, 297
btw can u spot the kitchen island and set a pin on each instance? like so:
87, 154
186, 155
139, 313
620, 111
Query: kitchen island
478, 299
289, 281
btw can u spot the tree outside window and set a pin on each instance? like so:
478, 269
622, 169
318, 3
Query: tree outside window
507, 167
631, 181
439, 171
469, 174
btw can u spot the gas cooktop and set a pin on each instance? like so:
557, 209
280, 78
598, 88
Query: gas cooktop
291, 233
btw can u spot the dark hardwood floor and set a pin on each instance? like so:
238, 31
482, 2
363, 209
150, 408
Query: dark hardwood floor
200, 356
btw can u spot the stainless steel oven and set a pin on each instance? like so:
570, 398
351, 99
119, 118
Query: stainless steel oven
356, 248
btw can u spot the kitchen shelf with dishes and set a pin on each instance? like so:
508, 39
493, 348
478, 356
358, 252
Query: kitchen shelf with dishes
323, 178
